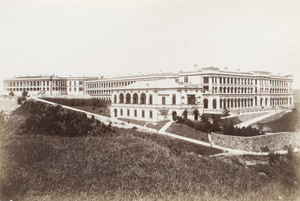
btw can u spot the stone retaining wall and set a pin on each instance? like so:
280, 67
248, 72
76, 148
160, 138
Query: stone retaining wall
272, 118
243, 117
275, 141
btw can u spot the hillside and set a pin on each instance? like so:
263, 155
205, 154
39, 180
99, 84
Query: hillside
121, 164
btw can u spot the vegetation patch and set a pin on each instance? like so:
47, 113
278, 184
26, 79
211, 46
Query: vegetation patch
54, 120
104, 111
208, 122
121, 165
79, 101
289, 122
187, 131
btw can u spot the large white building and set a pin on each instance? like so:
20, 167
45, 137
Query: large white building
209, 90
102, 88
237, 90
49, 85
156, 100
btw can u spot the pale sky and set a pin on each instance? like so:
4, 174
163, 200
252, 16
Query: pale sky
92, 37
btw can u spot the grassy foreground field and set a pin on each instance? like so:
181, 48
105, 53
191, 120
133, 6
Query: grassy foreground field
124, 165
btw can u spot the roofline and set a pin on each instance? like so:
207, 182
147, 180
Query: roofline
145, 88
133, 78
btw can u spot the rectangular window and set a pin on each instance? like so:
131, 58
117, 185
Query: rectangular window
128, 112
163, 100
191, 99
135, 113
150, 114
143, 113
205, 80
121, 112
174, 99
150, 99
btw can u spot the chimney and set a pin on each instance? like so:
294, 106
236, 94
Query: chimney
195, 67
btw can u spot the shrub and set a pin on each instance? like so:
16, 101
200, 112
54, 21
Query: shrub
53, 120
24, 93
203, 125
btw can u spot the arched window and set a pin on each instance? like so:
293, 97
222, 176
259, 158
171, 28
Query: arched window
135, 98
128, 98
121, 98
143, 98
174, 115
214, 104
205, 103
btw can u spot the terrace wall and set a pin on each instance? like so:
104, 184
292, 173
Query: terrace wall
274, 141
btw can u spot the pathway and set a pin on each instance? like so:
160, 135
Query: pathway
166, 126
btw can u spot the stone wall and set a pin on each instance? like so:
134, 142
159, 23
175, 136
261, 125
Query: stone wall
275, 141
243, 117
272, 118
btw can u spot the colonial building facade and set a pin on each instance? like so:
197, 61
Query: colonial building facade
157, 97
49, 85
240, 90
209, 90
156, 100
102, 88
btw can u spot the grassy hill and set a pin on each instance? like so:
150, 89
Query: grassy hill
125, 165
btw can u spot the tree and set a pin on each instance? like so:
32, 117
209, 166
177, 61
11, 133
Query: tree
24, 93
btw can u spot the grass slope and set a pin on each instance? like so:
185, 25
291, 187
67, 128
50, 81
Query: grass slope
124, 165
187, 131
118, 166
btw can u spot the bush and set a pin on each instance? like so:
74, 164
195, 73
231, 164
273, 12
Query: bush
244, 132
53, 120
203, 125
24, 93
